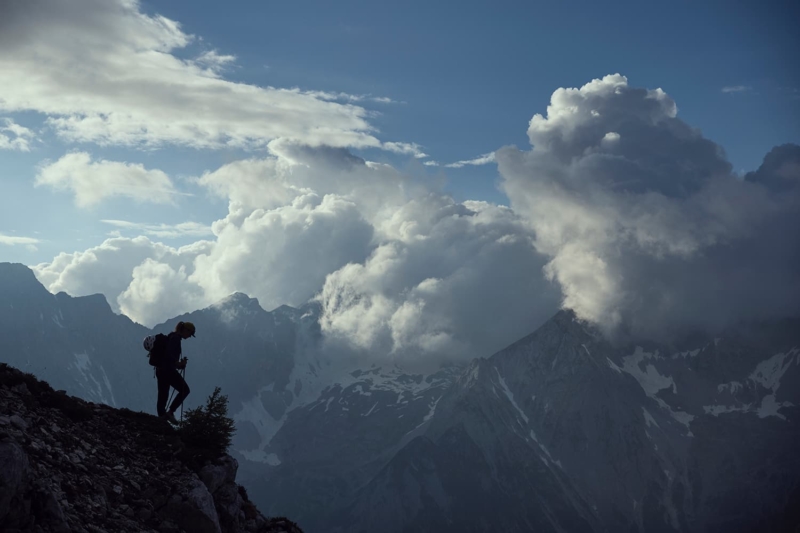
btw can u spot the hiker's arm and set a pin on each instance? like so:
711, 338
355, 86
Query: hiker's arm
173, 350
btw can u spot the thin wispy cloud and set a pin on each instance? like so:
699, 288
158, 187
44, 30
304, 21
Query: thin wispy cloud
736, 89
13, 240
346, 97
164, 231
215, 61
484, 159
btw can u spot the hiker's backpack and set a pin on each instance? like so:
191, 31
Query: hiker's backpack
156, 346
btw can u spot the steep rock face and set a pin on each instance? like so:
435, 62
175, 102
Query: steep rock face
451, 485
562, 431
329, 448
70, 465
78, 344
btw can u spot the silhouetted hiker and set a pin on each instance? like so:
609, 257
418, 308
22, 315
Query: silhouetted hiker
165, 355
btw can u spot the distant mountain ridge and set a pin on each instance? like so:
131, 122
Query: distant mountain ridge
264, 361
563, 432
560, 431
80, 345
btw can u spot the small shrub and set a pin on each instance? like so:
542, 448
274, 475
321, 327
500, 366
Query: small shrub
207, 430
250, 510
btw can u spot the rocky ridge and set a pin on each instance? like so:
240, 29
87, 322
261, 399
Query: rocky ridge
71, 465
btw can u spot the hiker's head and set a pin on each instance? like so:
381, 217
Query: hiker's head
185, 329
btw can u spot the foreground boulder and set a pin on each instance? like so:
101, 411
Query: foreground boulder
70, 465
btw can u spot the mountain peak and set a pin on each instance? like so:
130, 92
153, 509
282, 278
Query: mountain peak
563, 324
17, 277
237, 299
286, 310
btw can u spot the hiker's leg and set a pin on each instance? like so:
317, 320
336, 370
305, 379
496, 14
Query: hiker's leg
163, 391
180, 385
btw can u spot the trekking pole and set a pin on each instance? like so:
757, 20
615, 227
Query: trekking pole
184, 380
171, 395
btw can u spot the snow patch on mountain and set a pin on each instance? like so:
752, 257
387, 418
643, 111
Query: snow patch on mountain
652, 381
545, 450
771, 407
716, 410
432, 411
108, 386
614, 366
648, 418
510, 396
649, 378
253, 411
471, 376
687, 353
732, 387
92, 387
767, 374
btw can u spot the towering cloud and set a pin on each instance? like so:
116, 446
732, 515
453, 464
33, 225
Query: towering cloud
620, 211
399, 267
645, 226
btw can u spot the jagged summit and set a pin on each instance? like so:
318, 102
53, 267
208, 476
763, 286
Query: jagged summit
285, 309
18, 270
19, 283
70, 465
91, 302
564, 323
237, 299
18, 279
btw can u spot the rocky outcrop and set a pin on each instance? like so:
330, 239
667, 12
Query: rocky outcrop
70, 465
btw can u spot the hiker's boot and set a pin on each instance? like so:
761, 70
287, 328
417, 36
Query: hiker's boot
171, 417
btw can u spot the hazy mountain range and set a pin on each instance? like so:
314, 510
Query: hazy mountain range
561, 431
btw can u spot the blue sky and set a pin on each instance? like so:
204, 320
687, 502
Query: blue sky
123, 119
472, 77
466, 82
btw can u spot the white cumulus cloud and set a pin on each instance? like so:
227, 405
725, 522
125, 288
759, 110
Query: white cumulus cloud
92, 181
108, 269
619, 210
159, 290
15, 137
400, 268
104, 71
645, 225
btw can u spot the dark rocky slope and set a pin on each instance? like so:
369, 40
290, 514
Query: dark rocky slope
70, 465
